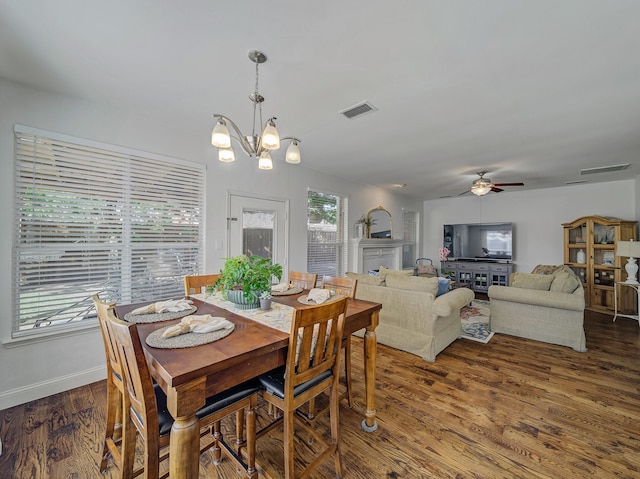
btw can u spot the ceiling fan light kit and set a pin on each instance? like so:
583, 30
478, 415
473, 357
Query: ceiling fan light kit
482, 185
253, 145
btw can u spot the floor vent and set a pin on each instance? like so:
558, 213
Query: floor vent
604, 169
358, 110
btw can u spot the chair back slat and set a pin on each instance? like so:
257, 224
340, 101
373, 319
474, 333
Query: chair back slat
339, 285
194, 284
303, 280
315, 336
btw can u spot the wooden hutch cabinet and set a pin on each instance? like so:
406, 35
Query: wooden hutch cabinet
589, 249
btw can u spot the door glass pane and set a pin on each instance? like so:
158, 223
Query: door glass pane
257, 232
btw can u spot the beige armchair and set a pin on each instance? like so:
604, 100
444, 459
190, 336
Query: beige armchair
543, 307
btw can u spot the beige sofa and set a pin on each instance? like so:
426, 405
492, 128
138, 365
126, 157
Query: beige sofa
544, 307
412, 318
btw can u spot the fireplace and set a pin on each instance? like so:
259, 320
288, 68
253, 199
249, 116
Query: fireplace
370, 254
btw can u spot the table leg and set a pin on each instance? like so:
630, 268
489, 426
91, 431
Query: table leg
369, 423
184, 448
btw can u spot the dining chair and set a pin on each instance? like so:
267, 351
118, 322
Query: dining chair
312, 367
115, 389
303, 280
346, 287
194, 284
145, 410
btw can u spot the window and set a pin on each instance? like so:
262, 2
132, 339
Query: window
326, 234
410, 236
97, 218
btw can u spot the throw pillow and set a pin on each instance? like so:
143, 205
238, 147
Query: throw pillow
413, 283
538, 282
426, 269
564, 283
544, 269
564, 269
367, 279
443, 285
401, 272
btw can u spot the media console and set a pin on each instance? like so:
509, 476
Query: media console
479, 275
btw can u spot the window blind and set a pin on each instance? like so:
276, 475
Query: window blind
326, 234
97, 218
410, 236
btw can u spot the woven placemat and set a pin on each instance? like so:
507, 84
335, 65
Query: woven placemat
304, 299
189, 340
157, 317
290, 291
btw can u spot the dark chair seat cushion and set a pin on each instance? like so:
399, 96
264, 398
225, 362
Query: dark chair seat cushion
213, 403
273, 382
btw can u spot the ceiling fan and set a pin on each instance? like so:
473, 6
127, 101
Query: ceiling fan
482, 185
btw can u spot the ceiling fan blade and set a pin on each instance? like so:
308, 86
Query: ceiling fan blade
508, 184
465, 192
496, 190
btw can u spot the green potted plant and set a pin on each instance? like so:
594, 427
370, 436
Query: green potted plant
242, 279
265, 300
367, 222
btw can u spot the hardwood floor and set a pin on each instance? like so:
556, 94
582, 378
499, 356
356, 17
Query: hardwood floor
512, 408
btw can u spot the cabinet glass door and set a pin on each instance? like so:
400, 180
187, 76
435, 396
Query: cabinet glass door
464, 278
578, 235
499, 279
480, 281
604, 238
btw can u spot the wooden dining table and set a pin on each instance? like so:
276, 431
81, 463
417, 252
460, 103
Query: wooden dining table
189, 375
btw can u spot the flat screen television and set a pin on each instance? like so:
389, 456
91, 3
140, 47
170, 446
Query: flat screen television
479, 241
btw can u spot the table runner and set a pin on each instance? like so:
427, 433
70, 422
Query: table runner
278, 317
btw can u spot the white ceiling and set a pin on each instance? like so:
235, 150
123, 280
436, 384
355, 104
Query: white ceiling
529, 90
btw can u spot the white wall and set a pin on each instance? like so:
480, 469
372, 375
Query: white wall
35, 369
537, 216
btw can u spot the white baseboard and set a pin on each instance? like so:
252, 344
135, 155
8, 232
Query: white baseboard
57, 385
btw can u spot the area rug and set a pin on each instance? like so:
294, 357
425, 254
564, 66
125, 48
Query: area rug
475, 321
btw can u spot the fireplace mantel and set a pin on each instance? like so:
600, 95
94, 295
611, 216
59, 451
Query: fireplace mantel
368, 254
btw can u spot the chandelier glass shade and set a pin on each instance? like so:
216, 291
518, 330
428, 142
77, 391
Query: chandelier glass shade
253, 145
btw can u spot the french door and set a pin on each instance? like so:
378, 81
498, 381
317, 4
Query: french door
258, 226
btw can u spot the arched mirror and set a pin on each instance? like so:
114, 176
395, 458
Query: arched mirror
380, 221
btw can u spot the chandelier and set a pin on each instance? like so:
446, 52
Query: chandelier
253, 145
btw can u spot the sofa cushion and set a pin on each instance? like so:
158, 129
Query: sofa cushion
538, 282
564, 283
402, 272
367, 279
413, 283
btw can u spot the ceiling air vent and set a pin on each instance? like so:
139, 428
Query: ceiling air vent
575, 182
358, 110
604, 169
